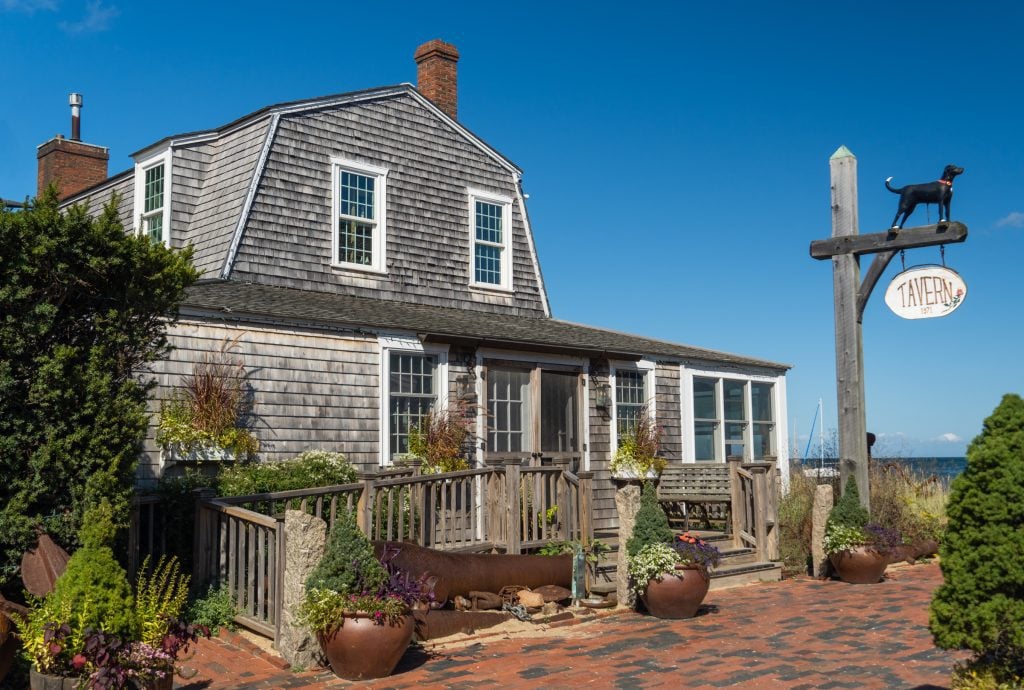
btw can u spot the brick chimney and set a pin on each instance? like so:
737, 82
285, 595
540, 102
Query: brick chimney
436, 76
71, 163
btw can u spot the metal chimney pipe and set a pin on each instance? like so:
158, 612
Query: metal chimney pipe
75, 101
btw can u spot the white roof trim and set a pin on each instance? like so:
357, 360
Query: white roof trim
243, 217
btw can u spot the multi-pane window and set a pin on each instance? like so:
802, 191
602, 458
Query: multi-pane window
742, 411
359, 230
153, 203
763, 426
705, 419
735, 417
489, 220
357, 218
630, 399
412, 394
508, 411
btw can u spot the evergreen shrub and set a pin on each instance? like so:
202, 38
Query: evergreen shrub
651, 524
349, 564
980, 605
848, 512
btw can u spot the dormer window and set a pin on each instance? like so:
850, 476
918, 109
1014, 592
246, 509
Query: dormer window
359, 225
152, 197
490, 222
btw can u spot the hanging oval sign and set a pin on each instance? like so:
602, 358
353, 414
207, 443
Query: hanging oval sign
925, 292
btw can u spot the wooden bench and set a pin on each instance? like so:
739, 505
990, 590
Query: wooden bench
696, 485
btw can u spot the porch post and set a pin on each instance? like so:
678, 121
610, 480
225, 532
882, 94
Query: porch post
364, 508
513, 538
562, 501
201, 546
736, 507
586, 507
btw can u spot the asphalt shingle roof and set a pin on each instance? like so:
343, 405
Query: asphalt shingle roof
443, 324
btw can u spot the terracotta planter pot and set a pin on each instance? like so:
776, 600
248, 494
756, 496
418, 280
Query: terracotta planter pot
44, 681
860, 566
677, 595
362, 648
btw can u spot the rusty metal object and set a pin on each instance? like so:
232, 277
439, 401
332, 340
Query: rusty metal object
461, 573
553, 593
444, 623
41, 566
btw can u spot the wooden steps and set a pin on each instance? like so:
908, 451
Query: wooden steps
739, 566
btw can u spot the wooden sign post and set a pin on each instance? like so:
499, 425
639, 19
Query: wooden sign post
845, 248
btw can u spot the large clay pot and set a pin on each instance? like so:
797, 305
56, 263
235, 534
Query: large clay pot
362, 648
925, 548
44, 681
862, 565
677, 595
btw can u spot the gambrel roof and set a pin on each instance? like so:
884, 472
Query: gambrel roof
231, 300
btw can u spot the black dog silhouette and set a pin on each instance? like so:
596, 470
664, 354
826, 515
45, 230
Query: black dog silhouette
939, 192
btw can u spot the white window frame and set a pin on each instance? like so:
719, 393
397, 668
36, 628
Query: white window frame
505, 245
399, 344
645, 367
163, 158
378, 246
780, 435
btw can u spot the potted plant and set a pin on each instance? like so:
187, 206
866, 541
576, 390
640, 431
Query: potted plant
440, 439
206, 420
92, 629
637, 454
858, 551
669, 572
359, 607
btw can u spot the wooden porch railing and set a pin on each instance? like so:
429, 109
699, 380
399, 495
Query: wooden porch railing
755, 511
239, 540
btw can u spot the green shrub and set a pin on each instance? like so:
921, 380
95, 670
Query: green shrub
95, 586
795, 521
980, 605
215, 610
348, 564
310, 469
84, 308
651, 525
848, 511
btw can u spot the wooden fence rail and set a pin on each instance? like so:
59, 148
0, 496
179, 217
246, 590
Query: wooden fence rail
239, 540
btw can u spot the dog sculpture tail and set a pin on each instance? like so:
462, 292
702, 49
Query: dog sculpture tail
894, 190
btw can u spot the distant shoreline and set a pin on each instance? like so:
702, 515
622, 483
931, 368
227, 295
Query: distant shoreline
945, 468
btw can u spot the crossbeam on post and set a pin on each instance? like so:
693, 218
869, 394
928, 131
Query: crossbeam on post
845, 248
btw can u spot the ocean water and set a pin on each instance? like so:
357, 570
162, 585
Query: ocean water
945, 469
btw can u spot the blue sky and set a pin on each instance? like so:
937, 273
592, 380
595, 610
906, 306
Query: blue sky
676, 154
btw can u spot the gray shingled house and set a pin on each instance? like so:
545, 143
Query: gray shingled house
376, 259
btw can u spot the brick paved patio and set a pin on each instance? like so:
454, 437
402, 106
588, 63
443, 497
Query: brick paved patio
798, 634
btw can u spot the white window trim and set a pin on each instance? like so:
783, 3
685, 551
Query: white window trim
399, 343
380, 235
645, 366
506, 236
778, 405
141, 166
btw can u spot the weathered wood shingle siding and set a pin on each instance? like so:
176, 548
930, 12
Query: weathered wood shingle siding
311, 388
287, 241
605, 515
123, 187
188, 174
231, 165
667, 406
